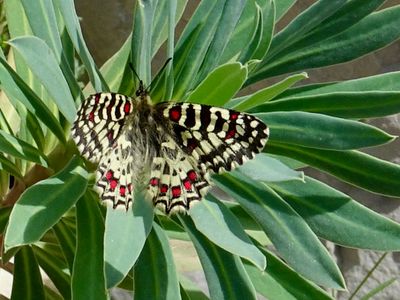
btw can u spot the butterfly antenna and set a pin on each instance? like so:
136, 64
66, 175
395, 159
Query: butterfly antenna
155, 80
141, 90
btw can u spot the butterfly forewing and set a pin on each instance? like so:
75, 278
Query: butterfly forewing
217, 139
99, 122
171, 147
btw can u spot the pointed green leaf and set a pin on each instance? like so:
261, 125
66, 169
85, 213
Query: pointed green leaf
360, 39
304, 23
336, 217
67, 241
67, 10
221, 227
281, 282
20, 149
55, 269
289, 233
155, 274
46, 68
357, 168
27, 283
269, 169
88, 280
9, 167
43, 204
220, 85
341, 104
225, 274
197, 42
321, 131
18, 91
125, 235
264, 95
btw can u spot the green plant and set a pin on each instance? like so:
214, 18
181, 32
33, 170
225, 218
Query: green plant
55, 221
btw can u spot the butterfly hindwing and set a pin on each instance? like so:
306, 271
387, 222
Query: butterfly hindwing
175, 183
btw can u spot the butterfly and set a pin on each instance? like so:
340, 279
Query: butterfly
171, 148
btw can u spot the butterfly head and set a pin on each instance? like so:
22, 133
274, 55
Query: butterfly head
141, 91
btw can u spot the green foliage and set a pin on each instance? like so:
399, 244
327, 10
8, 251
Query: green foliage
55, 221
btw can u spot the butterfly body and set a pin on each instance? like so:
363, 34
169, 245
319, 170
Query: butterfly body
171, 148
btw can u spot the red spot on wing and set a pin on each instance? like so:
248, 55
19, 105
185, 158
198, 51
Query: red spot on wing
91, 116
192, 175
97, 98
164, 188
110, 135
122, 190
176, 191
109, 175
127, 107
187, 184
230, 134
130, 187
234, 115
154, 181
175, 113
113, 184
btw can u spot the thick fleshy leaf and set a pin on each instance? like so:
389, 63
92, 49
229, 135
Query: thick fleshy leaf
281, 282
249, 50
20, 149
229, 14
220, 85
269, 169
244, 30
304, 23
43, 22
42, 19
27, 283
221, 227
155, 274
46, 68
360, 39
321, 131
18, 91
9, 167
114, 68
67, 241
55, 269
348, 15
88, 280
336, 217
225, 274
387, 82
125, 235
141, 39
4, 216
268, 16
341, 104
354, 167
160, 32
289, 233
204, 36
264, 95
67, 10
43, 204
